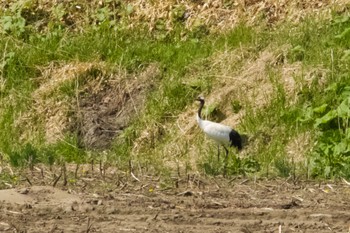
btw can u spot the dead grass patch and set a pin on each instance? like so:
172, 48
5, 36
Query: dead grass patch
55, 74
105, 114
101, 104
295, 77
49, 109
224, 15
298, 147
51, 106
216, 15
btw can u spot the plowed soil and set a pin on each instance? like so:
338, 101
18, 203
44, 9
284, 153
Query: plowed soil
241, 205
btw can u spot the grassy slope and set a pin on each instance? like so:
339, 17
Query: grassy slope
313, 114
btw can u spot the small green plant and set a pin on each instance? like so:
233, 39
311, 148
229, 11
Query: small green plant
236, 106
27, 155
296, 53
332, 154
283, 166
234, 165
6, 178
14, 24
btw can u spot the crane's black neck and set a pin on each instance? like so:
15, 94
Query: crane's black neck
200, 108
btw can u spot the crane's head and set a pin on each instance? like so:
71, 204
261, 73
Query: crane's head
200, 99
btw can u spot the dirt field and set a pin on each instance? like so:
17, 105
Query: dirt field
197, 205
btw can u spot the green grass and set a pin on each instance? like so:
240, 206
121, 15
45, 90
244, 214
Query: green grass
315, 42
319, 45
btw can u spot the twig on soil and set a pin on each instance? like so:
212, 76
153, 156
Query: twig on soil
27, 179
265, 187
133, 102
31, 162
188, 181
134, 195
133, 176
330, 187
45, 174
85, 184
216, 183
89, 225
345, 181
123, 186
187, 193
64, 175
92, 165
17, 229
140, 168
142, 187
183, 131
14, 212
11, 171
76, 171
231, 180
131, 173
217, 203
298, 198
155, 217
243, 182
8, 185
5, 226
199, 182
101, 168
57, 179
54, 228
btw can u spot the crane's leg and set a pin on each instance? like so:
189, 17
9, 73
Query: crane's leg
218, 152
225, 162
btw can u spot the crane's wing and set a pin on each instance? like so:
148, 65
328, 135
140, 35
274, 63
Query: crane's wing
217, 132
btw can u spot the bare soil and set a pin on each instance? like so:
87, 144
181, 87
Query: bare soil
196, 205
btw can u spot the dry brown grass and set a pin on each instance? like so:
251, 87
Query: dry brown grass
115, 95
216, 15
55, 75
50, 109
223, 15
298, 146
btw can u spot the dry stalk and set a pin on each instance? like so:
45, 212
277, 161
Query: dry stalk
124, 185
101, 168
64, 174
57, 179
346, 182
76, 170
16, 227
92, 165
27, 179
133, 176
155, 217
89, 225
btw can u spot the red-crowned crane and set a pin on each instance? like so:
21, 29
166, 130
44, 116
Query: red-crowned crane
222, 134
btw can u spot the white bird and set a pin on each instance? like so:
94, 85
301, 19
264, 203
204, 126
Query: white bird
222, 134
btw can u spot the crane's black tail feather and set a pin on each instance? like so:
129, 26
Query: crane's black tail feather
236, 139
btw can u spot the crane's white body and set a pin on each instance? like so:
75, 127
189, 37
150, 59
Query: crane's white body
215, 131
